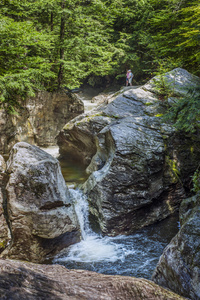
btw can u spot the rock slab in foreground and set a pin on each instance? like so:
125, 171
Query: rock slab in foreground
179, 265
37, 205
20, 280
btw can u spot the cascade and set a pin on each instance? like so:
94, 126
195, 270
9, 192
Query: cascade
92, 247
134, 255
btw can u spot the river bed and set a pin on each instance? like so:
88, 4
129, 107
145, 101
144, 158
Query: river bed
133, 255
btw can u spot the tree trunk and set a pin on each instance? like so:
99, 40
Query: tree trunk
51, 21
62, 35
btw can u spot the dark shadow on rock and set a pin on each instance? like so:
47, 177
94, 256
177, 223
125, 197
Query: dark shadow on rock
60, 242
21, 284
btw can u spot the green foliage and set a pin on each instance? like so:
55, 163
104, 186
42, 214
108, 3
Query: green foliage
131, 37
24, 67
3, 244
17, 87
174, 30
196, 181
173, 169
46, 44
163, 87
185, 111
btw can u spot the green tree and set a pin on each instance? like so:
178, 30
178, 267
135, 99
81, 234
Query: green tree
174, 30
184, 113
131, 36
24, 67
51, 43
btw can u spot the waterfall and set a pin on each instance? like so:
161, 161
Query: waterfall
92, 247
82, 212
135, 255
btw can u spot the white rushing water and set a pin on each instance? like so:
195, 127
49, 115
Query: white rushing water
53, 150
134, 255
86, 98
92, 247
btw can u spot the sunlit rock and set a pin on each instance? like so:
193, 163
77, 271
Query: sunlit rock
2, 164
20, 280
179, 265
40, 120
38, 204
139, 167
177, 81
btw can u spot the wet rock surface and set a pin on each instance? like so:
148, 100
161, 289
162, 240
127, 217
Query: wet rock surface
20, 280
179, 265
37, 205
139, 167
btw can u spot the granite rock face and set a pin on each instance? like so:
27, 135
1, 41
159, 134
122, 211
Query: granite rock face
179, 265
40, 120
178, 80
37, 205
19, 280
139, 167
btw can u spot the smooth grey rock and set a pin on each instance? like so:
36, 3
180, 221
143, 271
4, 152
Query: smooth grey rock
179, 265
40, 213
177, 80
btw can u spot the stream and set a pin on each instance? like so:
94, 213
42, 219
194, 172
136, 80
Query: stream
134, 255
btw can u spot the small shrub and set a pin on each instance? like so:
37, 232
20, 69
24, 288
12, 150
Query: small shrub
196, 181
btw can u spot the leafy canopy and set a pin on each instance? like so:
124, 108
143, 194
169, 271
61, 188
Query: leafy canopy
46, 44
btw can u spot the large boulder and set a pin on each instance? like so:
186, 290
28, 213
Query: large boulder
40, 120
19, 280
176, 82
139, 167
37, 205
179, 265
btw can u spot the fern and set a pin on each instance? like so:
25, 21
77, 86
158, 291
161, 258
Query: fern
196, 181
185, 112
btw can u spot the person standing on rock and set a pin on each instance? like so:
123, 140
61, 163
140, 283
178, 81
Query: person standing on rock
127, 77
130, 77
